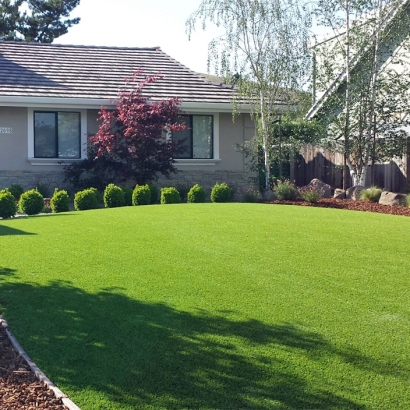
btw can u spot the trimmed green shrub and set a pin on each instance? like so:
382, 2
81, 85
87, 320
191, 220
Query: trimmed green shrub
86, 199
154, 193
60, 201
250, 195
113, 196
311, 193
371, 194
31, 202
141, 195
44, 189
16, 190
8, 207
196, 194
127, 195
221, 193
170, 195
285, 190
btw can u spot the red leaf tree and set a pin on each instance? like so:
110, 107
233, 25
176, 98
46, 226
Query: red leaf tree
133, 141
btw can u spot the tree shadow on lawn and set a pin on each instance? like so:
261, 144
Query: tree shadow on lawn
149, 354
6, 230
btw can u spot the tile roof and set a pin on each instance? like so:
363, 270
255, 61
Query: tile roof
90, 72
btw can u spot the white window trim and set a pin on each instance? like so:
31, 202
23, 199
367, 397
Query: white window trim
55, 161
205, 162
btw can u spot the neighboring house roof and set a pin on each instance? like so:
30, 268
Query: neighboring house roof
41, 72
341, 77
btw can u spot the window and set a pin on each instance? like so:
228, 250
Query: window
198, 137
57, 134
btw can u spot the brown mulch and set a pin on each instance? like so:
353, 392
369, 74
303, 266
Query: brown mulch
19, 387
350, 204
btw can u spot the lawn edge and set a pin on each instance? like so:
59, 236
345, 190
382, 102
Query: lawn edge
36, 370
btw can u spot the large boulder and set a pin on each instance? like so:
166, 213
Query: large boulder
354, 192
324, 188
339, 194
391, 198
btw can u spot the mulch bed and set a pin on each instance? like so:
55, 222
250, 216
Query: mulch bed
349, 204
19, 387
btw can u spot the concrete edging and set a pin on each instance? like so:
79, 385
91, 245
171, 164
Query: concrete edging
38, 373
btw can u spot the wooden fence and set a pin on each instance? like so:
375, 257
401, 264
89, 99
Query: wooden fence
315, 162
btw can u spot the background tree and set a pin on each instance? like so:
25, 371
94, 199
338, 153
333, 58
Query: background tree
36, 20
367, 65
263, 52
133, 141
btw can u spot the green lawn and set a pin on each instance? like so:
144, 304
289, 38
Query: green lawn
213, 306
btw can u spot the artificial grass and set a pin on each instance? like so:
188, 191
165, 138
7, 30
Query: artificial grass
213, 305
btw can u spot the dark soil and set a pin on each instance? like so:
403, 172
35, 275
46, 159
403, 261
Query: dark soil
349, 204
19, 387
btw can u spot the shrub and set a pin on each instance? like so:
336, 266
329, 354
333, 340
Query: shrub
221, 193
407, 201
154, 193
183, 192
311, 193
170, 195
16, 190
60, 201
250, 195
196, 194
113, 196
44, 188
141, 195
46, 210
127, 195
8, 206
285, 190
31, 202
371, 194
86, 199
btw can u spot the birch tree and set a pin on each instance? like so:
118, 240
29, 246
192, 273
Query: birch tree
263, 53
366, 115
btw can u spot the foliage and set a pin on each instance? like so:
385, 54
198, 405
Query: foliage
311, 193
31, 202
130, 142
183, 191
16, 190
154, 193
371, 194
407, 201
127, 195
113, 196
196, 194
170, 195
263, 53
8, 206
60, 201
221, 193
141, 195
285, 190
46, 209
86, 199
36, 20
44, 188
250, 195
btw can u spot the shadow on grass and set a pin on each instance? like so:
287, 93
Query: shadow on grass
149, 354
6, 230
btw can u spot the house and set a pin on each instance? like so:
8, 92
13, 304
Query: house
43, 86
393, 75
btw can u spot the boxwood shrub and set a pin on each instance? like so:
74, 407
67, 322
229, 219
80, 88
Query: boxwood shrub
86, 199
196, 194
31, 202
60, 201
113, 196
141, 195
170, 195
221, 193
8, 206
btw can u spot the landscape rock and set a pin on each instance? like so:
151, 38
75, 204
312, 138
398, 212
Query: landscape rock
325, 188
354, 192
339, 194
392, 198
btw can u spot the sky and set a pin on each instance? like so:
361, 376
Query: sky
142, 23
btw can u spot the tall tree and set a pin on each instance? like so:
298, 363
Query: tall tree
365, 70
263, 53
36, 20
